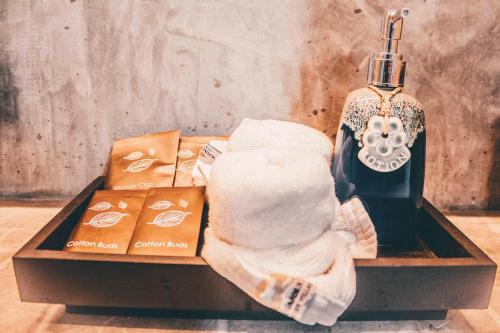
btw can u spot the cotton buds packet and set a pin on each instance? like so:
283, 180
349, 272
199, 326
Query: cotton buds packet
108, 223
169, 223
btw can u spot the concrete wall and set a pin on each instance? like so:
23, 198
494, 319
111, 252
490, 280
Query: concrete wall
74, 75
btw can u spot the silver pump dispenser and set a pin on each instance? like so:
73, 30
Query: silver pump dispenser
387, 67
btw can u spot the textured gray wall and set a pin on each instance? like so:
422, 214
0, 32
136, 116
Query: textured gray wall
76, 74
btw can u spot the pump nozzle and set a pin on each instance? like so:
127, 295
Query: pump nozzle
387, 67
392, 26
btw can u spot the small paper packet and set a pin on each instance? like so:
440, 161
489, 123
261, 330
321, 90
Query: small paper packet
169, 224
189, 150
108, 223
142, 162
208, 154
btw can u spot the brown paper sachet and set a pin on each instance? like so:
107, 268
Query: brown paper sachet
142, 162
189, 149
108, 223
169, 224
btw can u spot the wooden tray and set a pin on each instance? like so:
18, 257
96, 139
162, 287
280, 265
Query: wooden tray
446, 271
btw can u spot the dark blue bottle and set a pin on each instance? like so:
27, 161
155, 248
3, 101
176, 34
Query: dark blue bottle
380, 145
393, 199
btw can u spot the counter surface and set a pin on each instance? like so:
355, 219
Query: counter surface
20, 221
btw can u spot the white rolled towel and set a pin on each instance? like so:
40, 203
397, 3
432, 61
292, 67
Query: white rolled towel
252, 134
276, 228
270, 197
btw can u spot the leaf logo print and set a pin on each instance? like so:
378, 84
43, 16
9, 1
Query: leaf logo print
140, 165
161, 205
185, 153
169, 219
183, 203
151, 151
122, 204
105, 220
101, 206
186, 165
133, 156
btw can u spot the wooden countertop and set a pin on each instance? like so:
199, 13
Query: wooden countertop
20, 221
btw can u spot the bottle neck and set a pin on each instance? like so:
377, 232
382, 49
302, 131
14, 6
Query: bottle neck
384, 88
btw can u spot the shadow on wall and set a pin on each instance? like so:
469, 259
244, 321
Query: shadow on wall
494, 176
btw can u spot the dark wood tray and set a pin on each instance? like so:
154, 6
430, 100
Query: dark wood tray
446, 271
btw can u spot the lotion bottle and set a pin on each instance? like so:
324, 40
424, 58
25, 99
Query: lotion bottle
380, 145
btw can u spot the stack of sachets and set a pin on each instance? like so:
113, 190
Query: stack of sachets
158, 221
151, 204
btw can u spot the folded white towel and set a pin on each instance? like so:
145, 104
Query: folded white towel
353, 218
308, 298
252, 134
